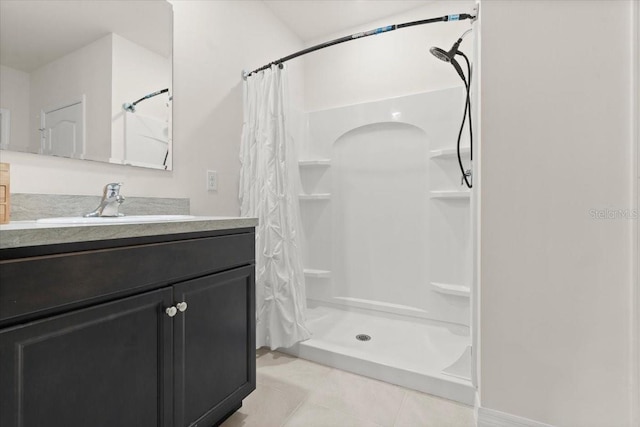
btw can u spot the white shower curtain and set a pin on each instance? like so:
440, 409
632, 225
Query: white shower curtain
268, 191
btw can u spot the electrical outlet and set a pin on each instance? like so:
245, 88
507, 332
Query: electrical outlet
212, 181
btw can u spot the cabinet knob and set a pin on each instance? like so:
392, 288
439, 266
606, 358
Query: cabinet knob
171, 311
182, 306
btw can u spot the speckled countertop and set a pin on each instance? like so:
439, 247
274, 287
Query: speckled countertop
18, 234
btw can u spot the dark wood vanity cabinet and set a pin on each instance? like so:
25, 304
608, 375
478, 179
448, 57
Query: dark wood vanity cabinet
173, 347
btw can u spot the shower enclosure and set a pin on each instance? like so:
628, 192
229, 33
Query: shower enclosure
388, 242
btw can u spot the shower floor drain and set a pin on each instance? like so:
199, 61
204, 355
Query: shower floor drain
363, 337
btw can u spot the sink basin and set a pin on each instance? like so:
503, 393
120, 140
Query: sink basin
114, 220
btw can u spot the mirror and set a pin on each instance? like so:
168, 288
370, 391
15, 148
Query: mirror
87, 79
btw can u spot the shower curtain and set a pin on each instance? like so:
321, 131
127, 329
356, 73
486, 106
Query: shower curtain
268, 191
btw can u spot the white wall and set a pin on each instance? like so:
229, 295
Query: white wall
14, 96
556, 142
213, 42
388, 65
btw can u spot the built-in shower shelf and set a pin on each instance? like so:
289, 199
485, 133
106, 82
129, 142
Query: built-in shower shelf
314, 163
448, 289
450, 194
317, 196
317, 274
448, 152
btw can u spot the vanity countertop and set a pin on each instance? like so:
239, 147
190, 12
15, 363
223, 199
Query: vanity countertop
19, 234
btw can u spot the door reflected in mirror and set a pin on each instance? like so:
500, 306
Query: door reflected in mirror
88, 80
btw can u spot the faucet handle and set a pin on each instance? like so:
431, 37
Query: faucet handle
112, 189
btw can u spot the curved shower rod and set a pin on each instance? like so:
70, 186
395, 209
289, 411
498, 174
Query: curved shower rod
446, 18
131, 107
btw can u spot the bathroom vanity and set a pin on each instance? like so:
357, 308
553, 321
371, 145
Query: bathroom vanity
126, 324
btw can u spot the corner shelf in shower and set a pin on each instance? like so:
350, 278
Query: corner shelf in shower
317, 274
314, 163
448, 289
450, 194
317, 196
447, 152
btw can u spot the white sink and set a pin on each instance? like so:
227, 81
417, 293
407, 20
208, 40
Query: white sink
114, 220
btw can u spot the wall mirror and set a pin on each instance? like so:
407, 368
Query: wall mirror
88, 80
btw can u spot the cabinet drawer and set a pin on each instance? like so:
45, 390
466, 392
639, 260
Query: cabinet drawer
33, 287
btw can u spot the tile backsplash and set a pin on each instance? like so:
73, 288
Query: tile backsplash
25, 207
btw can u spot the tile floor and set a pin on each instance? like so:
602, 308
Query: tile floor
295, 392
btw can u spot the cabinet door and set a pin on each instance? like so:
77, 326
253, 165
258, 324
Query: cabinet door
108, 365
214, 346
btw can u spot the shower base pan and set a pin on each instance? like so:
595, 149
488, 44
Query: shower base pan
427, 356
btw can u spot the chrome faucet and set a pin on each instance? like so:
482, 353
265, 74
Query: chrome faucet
111, 201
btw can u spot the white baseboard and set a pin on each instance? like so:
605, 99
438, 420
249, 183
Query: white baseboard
492, 418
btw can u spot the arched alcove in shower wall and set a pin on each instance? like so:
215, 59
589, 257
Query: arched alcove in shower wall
380, 218
384, 224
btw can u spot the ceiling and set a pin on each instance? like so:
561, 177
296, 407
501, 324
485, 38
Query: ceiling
36, 32
312, 19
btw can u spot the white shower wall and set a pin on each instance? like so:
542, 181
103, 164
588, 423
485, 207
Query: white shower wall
380, 231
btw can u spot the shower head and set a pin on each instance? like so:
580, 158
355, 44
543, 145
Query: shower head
440, 54
445, 56
449, 56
